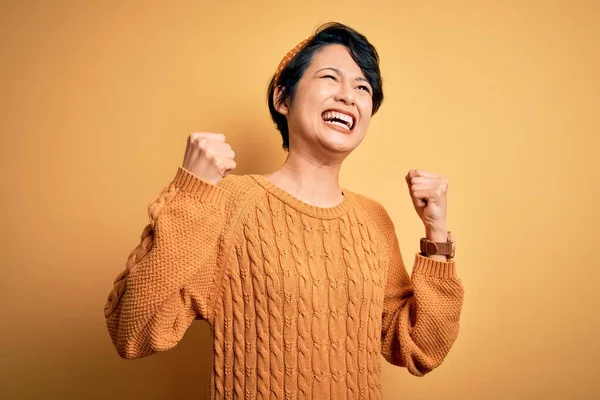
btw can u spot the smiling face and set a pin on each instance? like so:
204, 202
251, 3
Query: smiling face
332, 104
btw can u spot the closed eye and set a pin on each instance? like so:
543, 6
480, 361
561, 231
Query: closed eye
330, 76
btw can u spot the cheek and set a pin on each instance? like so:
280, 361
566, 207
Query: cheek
366, 110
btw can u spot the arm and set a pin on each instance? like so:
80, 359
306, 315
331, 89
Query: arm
420, 315
168, 279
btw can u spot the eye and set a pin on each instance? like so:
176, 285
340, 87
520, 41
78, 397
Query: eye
365, 88
329, 76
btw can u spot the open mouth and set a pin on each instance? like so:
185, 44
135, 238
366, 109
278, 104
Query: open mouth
338, 118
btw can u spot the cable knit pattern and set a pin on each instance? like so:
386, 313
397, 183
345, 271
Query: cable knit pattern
262, 309
303, 301
290, 334
274, 295
352, 310
304, 308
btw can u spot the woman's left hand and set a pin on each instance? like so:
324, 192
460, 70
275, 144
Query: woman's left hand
428, 192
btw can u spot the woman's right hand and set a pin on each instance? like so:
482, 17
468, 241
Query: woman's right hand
208, 156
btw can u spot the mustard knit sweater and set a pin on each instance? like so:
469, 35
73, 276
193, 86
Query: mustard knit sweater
301, 300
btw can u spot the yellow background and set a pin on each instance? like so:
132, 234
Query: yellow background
97, 100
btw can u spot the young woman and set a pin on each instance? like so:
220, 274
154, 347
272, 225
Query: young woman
302, 282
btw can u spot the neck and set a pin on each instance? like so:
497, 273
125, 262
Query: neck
309, 180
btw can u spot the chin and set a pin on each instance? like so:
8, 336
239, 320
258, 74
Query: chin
339, 142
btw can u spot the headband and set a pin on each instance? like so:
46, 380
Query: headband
289, 57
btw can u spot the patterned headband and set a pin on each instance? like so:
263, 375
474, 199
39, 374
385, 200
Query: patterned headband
289, 57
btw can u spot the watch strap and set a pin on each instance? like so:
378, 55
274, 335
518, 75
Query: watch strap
446, 248
431, 248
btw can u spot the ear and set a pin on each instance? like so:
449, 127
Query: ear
282, 108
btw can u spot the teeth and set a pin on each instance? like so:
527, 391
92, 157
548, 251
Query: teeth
328, 115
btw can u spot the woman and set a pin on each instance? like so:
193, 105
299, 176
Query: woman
302, 283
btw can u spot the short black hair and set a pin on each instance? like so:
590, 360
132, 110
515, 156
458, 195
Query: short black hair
361, 50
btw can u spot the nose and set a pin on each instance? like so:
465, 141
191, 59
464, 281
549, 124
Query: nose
345, 94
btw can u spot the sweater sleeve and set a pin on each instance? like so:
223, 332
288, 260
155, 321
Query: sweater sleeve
168, 278
420, 320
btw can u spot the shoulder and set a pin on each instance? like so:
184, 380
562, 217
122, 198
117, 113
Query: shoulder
378, 217
242, 189
373, 209
237, 184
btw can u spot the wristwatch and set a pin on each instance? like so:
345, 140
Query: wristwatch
441, 248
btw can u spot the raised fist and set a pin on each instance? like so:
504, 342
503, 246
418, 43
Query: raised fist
208, 156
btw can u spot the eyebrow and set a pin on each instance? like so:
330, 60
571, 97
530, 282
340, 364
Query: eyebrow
360, 78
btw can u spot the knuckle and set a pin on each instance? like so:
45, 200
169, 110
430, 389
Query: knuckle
195, 137
204, 145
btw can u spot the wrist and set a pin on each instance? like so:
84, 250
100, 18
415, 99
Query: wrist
438, 234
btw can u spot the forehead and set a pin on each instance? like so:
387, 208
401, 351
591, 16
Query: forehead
335, 56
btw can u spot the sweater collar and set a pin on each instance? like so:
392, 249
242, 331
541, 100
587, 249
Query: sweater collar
303, 207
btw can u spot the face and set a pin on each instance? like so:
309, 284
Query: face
332, 106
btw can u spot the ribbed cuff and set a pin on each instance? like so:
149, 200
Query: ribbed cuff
437, 269
206, 192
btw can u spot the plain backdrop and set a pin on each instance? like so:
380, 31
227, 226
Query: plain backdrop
502, 97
